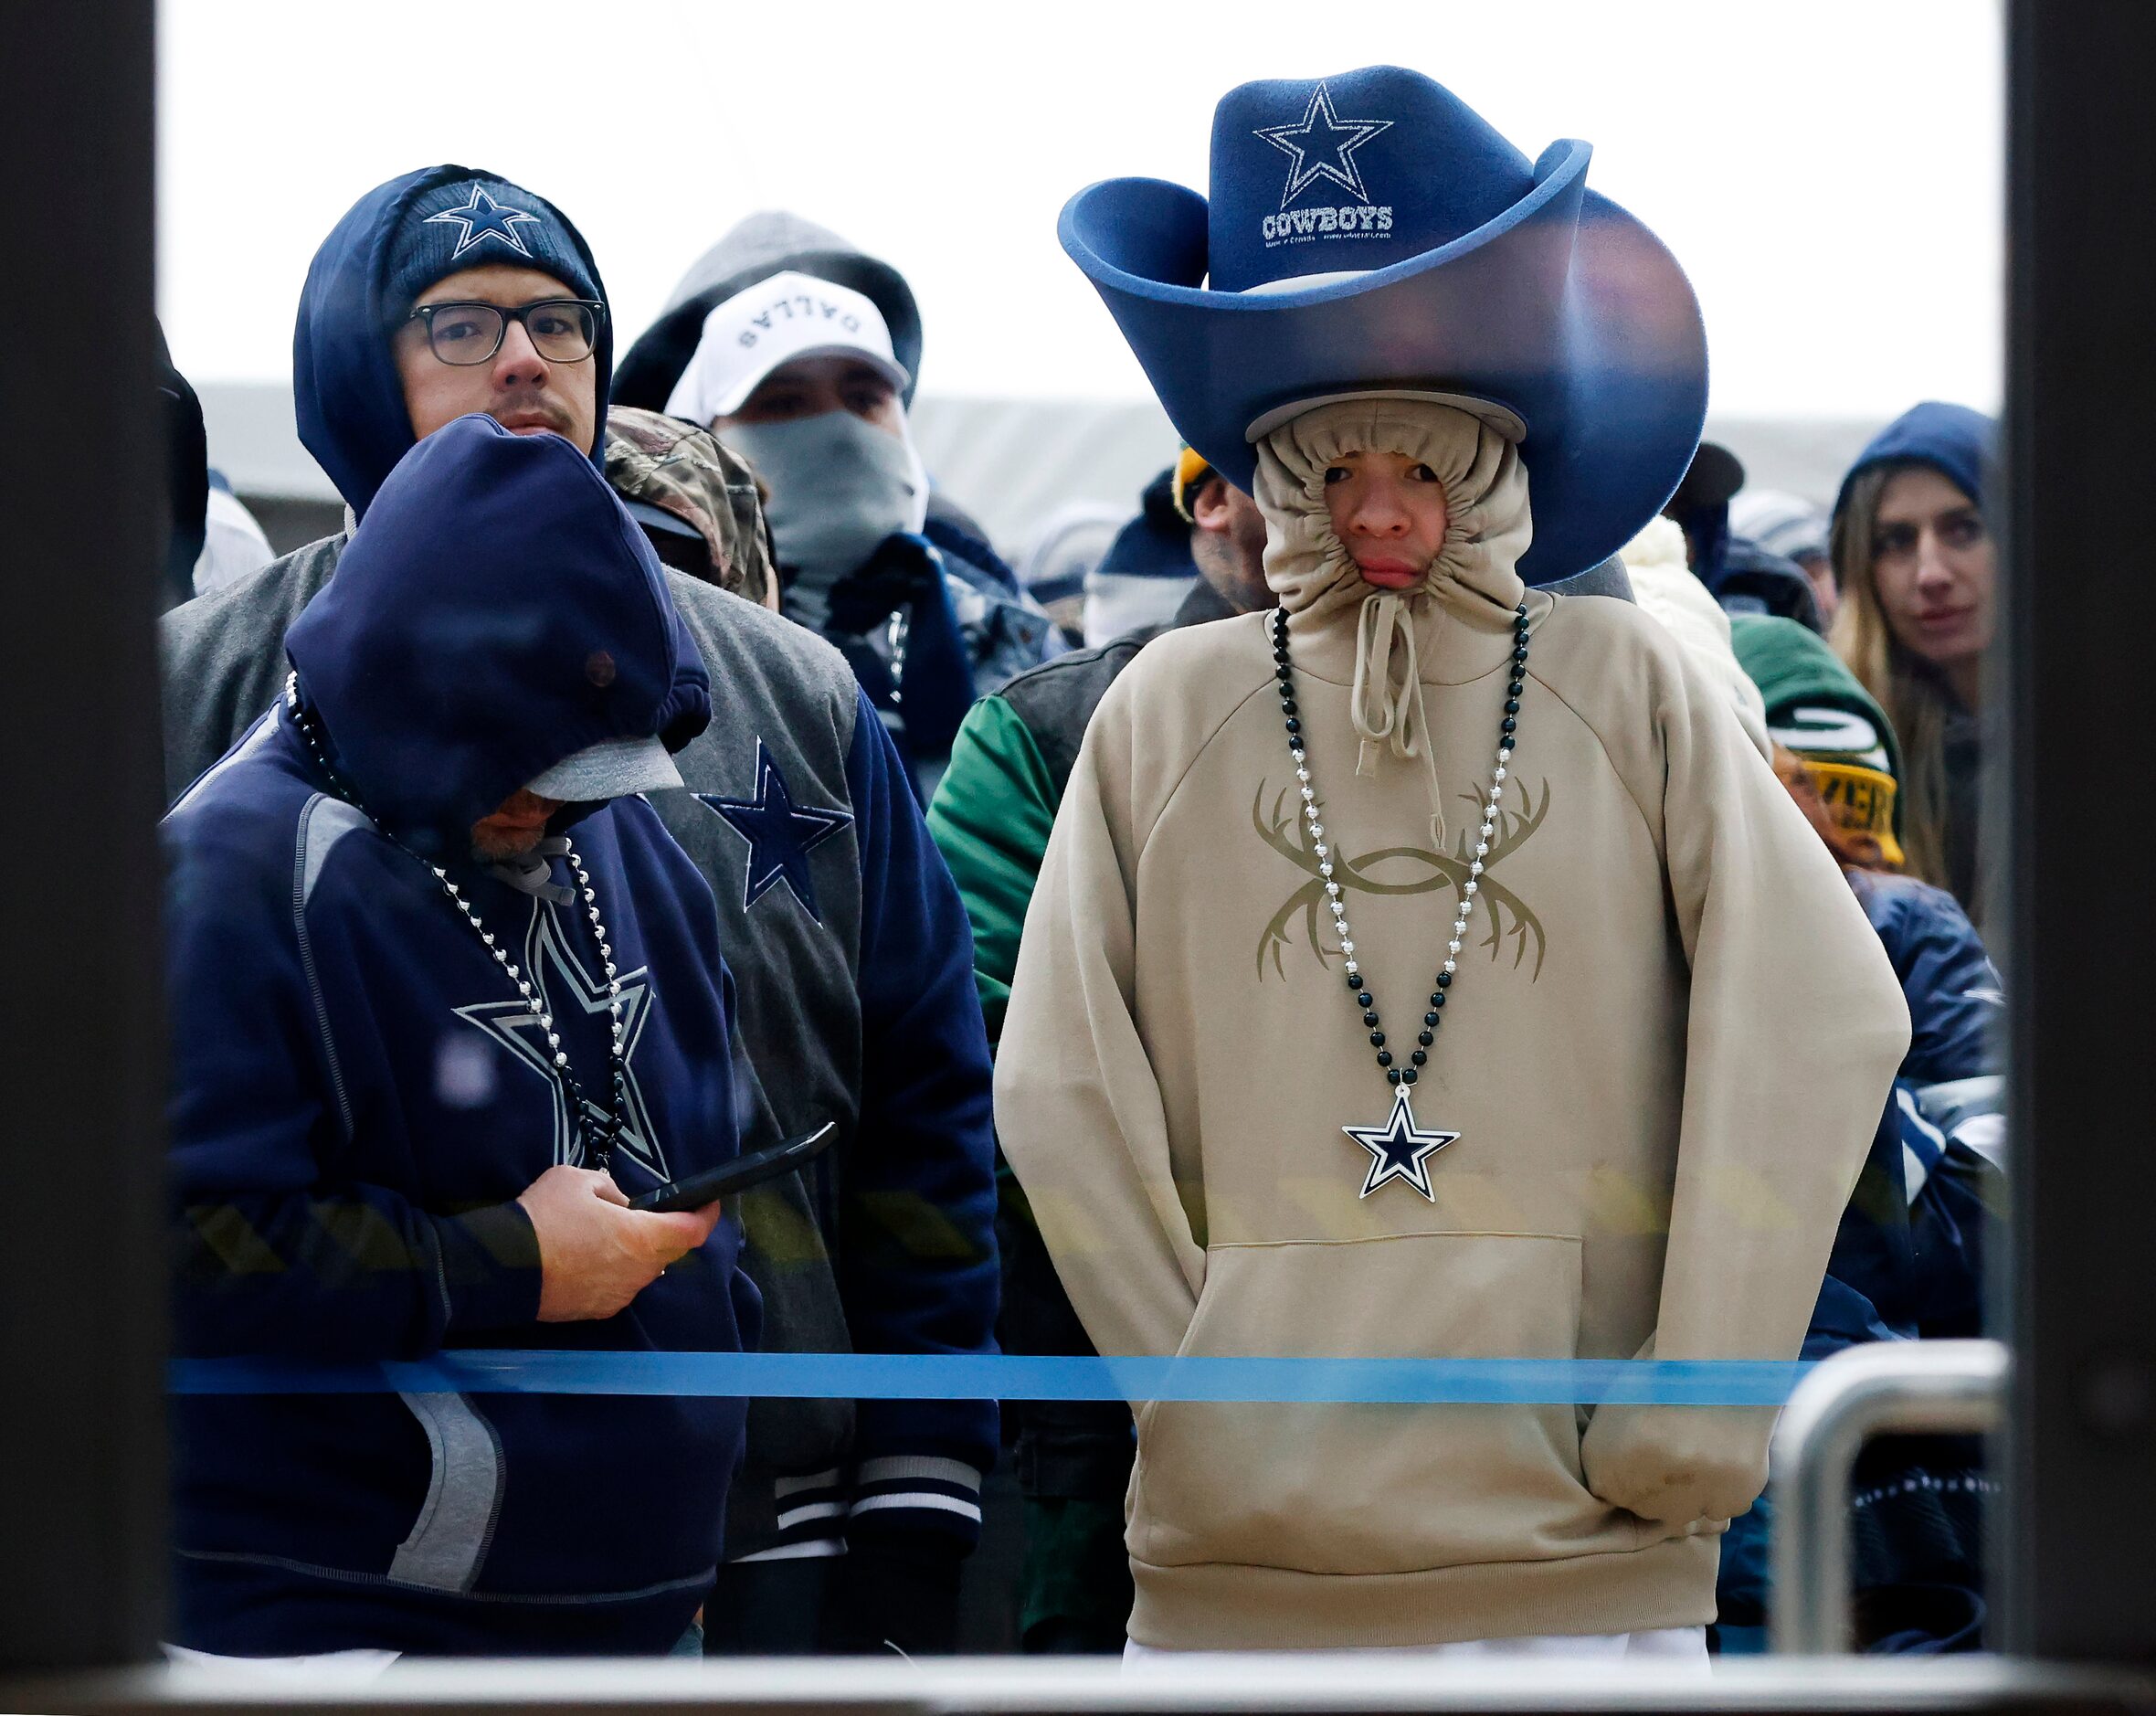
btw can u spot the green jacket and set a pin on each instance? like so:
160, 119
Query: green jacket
997, 802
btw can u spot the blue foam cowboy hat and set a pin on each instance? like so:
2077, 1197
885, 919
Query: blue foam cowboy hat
1370, 233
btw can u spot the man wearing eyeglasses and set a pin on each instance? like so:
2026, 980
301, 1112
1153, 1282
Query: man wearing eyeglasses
450, 292
504, 341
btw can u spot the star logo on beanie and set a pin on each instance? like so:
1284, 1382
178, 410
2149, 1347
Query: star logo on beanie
1322, 147
482, 218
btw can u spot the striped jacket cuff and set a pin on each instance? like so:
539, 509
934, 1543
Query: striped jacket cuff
811, 1518
916, 1493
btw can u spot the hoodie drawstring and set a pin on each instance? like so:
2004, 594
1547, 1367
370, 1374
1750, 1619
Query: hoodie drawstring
1386, 704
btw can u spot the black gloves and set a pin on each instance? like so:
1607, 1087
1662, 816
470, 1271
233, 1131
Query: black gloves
899, 574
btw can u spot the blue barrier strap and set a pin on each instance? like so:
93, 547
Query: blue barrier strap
1010, 1376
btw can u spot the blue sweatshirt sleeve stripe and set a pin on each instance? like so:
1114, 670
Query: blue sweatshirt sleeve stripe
270, 1260
917, 1262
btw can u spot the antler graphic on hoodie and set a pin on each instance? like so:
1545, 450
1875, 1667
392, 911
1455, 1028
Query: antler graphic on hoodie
1283, 831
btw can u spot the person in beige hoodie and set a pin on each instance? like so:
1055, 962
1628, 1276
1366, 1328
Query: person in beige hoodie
1442, 974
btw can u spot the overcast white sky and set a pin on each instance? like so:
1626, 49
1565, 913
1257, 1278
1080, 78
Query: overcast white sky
1828, 171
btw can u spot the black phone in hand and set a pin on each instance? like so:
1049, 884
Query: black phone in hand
739, 1174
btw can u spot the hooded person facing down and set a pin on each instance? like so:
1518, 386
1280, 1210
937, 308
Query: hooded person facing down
840, 924
803, 353
1434, 968
444, 995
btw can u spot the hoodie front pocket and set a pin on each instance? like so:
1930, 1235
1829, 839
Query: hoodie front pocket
1355, 1488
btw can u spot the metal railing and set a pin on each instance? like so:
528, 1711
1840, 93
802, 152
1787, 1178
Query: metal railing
1933, 1387
1355, 1684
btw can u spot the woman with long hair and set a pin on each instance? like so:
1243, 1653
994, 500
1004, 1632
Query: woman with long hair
1915, 558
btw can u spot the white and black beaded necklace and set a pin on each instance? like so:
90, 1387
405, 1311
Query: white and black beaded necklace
1400, 1149
597, 1129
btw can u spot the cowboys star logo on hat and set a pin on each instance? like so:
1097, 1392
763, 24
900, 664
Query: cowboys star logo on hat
1322, 147
482, 218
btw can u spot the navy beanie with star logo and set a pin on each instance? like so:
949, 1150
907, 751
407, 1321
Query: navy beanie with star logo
468, 223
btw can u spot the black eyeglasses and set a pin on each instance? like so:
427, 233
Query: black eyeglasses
562, 330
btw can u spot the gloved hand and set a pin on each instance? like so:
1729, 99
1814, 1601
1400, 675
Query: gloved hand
899, 574
893, 1592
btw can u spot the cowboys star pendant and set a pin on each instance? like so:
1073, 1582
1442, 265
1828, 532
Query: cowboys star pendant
1400, 1149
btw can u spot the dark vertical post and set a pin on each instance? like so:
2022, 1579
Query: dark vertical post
81, 1028
2079, 1575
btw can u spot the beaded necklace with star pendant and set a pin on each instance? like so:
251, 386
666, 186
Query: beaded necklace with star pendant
1400, 1148
598, 1130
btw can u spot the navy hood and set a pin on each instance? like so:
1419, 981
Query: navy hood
1954, 440
496, 613
345, 392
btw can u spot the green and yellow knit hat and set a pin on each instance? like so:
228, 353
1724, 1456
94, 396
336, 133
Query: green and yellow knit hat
1817, 709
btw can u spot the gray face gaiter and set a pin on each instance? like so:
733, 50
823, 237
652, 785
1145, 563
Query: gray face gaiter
839, 486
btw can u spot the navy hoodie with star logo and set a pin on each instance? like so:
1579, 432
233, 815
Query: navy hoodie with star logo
360, 1092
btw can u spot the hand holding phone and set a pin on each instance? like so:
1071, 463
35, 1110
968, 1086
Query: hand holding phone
596, 1255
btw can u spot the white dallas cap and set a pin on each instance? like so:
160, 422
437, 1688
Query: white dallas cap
613, 768
777, 320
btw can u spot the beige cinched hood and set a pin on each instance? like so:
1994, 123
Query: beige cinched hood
1395, 636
